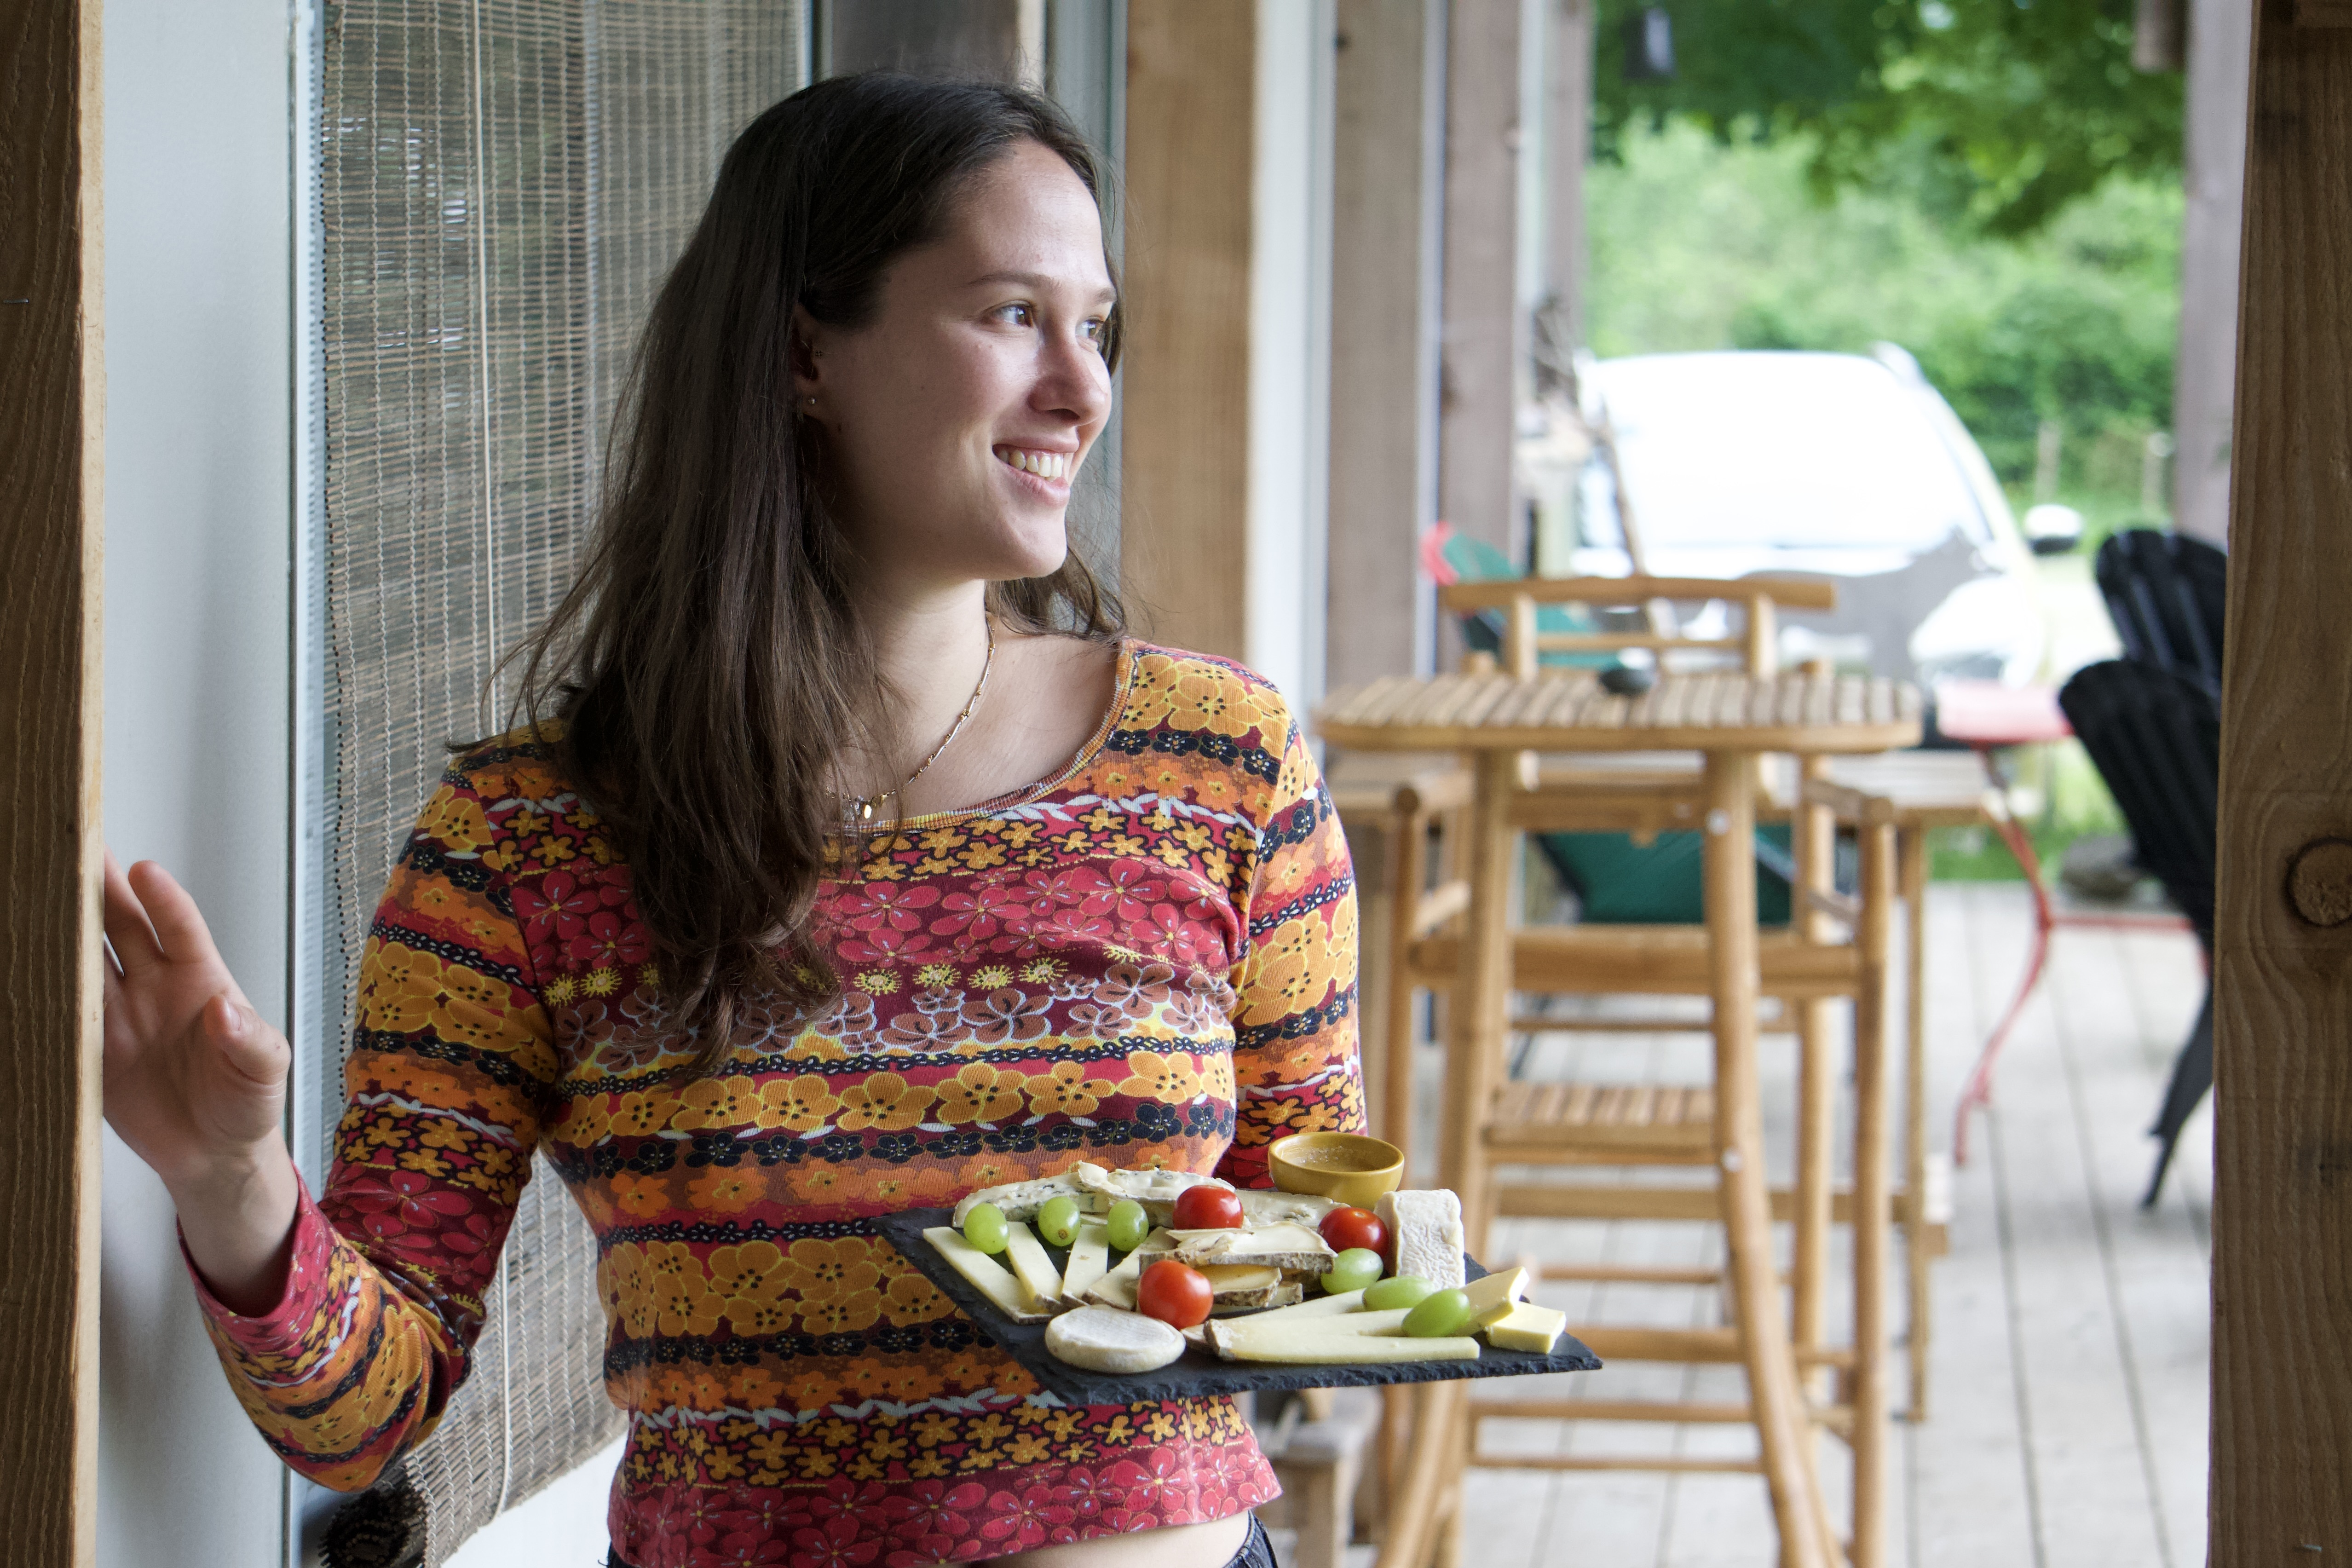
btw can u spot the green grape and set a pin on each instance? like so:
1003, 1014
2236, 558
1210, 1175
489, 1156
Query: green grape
1354, 1269
1405, 1291
1057, 1222
984, 1227
1129, 1224
1446, 1312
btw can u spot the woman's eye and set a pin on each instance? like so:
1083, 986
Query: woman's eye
1094, 329
1017, 315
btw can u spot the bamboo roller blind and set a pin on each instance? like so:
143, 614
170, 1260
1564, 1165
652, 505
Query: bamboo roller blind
503, 183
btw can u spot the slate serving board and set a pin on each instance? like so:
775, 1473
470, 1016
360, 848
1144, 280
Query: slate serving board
1198, 1372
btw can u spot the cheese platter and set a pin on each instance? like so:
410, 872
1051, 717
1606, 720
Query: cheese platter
1115, 1287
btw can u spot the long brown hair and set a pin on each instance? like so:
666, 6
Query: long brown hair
707, 663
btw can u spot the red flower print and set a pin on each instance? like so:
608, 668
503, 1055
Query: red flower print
479, 1233
874, 904
1026, 1518
607, 940
1153, 1484
407, 1197
1088, 1494
835, 1545
979, 913
746, 1549
883, 944
1122, 892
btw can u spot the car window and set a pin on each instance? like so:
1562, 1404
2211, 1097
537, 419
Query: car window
1795, 450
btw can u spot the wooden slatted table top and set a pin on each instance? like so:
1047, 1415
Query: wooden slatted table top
1567, 711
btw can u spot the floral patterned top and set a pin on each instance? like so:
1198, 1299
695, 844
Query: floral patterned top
1147, 961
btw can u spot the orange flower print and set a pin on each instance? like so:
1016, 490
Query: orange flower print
641, 1114
717, 1102
1171, 1079
754, 1271
1061, 1092
1286, 971
801, 1104
990, 1171
911, 1298
641, 1196
818, 1269
980, 1093
886, 1100
453, 821
628, 1296
724, 1188
841, 1314
1119, 780
820, 1185
1210, 700
399, 987
754, 1318
589, 1120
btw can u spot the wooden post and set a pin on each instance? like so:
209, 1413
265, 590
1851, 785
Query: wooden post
1911, 855
52, 411
1872, 1215
2282, 1489
1478, 1008
1815, 852
1185, 437
1484, 338
1388, 172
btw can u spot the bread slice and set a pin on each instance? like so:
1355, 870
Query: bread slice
1101, 1338
1425, 1231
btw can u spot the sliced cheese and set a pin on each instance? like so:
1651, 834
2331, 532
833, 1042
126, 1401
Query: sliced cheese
1493, 1296
1239, 1277
1285, 1294
1302, 1346
1021, 1200
1264, 1207
1102, 1340
1226, 1334
1425, 1231
1143, 1186
1528, 1328
990, 1278
1030, 1262
1290, 1247
1116, 1288
1319, 1307
1090, 1260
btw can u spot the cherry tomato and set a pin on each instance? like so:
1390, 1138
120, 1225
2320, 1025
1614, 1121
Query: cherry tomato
1207, 1207
1346, 1228
1176, 1295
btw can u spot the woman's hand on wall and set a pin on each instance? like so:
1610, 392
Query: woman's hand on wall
195, 1084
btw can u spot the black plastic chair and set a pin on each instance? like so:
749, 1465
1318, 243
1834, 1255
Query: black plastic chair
2154, 735
2165, 592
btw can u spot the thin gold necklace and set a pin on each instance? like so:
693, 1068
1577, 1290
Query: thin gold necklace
858, 809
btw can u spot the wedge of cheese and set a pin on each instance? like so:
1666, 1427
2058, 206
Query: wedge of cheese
1527, 1328
1005, 1292
1116, 1288
1032, 1264
1425, 1231
1155, 1190
1493, 1296
1315, 1307
1263, 1207
1027, 1200
1090, 1260
1317, 1343
1226, 1335
1296, 1248
1283, 1293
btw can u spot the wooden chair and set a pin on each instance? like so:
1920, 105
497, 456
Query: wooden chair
1591, 1124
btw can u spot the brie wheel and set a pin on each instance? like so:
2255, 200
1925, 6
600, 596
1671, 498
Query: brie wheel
1103, 1339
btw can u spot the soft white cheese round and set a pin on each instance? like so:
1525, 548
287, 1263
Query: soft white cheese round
1104, 1339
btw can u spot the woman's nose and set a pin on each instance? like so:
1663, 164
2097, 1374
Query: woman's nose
1073, 379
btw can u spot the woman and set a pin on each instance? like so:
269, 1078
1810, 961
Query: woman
848, 858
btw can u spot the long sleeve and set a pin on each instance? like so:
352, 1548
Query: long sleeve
1295, 1049
447, 1085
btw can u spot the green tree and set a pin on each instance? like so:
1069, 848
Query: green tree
1995, 113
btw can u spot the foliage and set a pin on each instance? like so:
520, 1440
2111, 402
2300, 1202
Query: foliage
1997, 112
1699, 245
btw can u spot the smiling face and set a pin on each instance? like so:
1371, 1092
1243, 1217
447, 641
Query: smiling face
957, 418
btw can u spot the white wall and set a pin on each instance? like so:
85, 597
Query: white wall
1290, 347
198, 523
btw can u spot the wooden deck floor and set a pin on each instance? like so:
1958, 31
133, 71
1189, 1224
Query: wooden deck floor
2067, 1419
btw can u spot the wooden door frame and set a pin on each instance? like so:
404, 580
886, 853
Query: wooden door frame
2283, 1110
52, 413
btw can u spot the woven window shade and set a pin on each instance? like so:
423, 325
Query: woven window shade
504, 182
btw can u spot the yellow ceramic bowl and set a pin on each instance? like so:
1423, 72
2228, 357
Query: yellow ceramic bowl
1337, 1165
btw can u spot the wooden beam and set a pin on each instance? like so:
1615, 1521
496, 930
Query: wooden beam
1185, 437
1386, 181
1484, 338
2282, 1460
52, 409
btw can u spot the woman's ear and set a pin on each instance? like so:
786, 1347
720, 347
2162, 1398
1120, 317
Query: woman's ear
807, 375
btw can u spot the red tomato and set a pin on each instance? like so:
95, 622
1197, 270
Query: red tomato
1205, 1207
1176, 1295
1344, 1228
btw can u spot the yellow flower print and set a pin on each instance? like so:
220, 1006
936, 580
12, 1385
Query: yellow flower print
754, 1271
991, 978
980, 1093
451, 1135
1043, 971
724, 1189
1159, 1426
628, 1294
1062, 1091
424, 1161
455, 821
1028, 1448
940, 840
683, 1301
911, 1298
1126, 846
1102, 819
1217, 1078
560, 991
801, 1104
1171, 853
1286, 971
982, 856
1171, 1079
936, 975
877, 981
885, 1100
505, 857
1210, 700
717, 1102
601, 982
399, 987
1020, 835
748, 1317
641, 1114
841, 1314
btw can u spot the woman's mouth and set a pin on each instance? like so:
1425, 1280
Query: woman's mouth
1054, 467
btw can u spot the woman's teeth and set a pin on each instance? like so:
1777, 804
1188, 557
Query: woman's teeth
1044, 465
